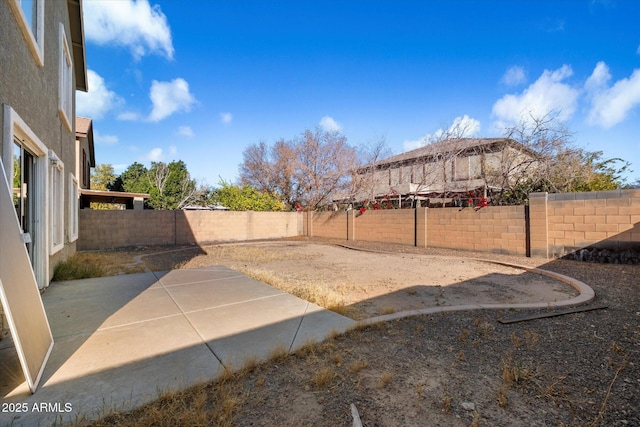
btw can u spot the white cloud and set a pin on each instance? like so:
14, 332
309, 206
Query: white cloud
226, 118
328, 124
461, 127
186, 131
129, 116
104, 139
514, 76
169, 97
173, 151
98, 100
611, 104
155, 155
546, 95
136, 25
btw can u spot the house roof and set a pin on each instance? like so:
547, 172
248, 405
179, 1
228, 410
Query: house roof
442, 147
77, 41
84, 129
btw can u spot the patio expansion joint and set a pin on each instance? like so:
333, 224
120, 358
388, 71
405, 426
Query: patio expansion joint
239, 276
295, 335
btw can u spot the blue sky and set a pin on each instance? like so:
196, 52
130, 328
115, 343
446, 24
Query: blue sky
201, 80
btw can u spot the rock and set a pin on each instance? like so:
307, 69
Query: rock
468, 406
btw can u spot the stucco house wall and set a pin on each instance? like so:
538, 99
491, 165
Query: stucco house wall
29, 98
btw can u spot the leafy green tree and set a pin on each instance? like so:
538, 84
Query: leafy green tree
135, 179
102, 177
171, 186
245, 198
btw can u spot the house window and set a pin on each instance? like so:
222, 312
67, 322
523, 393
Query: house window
30, 17
73, 208
56, 194
85, 180
65, 89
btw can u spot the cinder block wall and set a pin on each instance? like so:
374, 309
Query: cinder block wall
391, 226
500, 229
208, 226
332, 225
556, 224
601, 219
117, 229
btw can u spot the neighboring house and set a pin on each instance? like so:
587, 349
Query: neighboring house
85, 154
443, 172
42, 63
85, 160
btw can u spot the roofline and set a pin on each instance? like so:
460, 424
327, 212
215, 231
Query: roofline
76, 22
402, 158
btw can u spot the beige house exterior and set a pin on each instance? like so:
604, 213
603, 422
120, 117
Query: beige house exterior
42, 63
442, 172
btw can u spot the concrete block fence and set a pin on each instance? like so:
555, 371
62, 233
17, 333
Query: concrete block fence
589, 225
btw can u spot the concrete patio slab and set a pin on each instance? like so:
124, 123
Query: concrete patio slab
120, 341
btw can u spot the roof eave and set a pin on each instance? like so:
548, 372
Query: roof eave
78, 44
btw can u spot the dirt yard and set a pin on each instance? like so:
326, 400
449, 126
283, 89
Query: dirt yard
449, 369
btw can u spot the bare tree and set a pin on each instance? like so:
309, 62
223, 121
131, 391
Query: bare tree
544, 158
324, 163
310, 169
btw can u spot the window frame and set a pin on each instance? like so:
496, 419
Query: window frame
35, 42
74, 205
65, 80
56, 194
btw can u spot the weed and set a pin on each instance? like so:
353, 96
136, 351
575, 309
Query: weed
76, 267
502, 397
384, 379
462, 336
388, 310
412, 291
323, 377
476, 420
419, 389
461, 356
514, 373
446, 404
279, 353
337, 359
358, 365
616, 348
515, 340
531, 339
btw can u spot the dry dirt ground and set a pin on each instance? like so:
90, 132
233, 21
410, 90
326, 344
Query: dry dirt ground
448, 369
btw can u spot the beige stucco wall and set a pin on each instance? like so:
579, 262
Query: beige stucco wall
32, 92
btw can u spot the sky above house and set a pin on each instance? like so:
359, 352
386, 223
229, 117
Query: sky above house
199, 81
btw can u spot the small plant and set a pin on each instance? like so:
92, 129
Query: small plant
462, 336
446, 404
515, 340
323, 377
279, 353
531, 338
514, 373
388, 310
358, 365
384, 379
462, 357
616, 348
75, 268
502, 397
